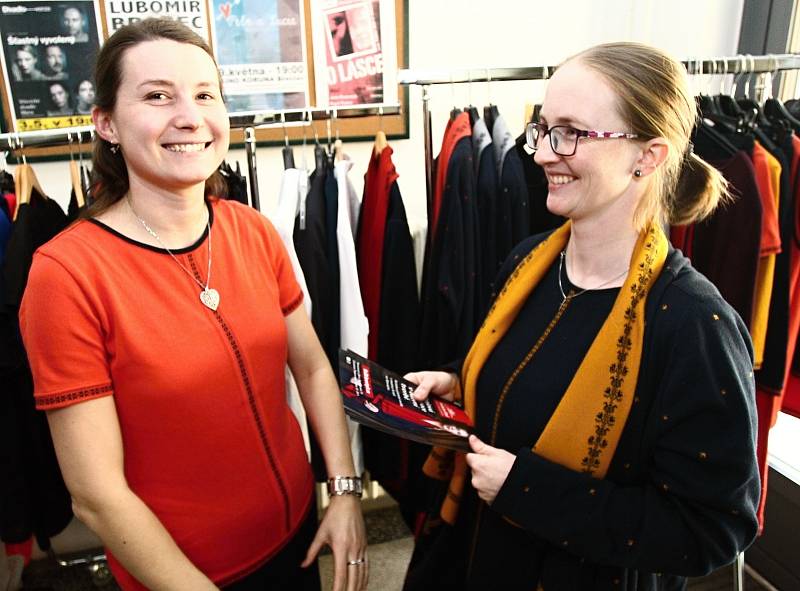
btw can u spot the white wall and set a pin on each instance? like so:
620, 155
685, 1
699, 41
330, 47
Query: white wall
447, 34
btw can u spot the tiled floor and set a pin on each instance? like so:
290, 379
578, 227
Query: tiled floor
389, 552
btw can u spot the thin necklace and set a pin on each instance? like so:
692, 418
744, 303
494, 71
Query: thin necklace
208, 296
572, 295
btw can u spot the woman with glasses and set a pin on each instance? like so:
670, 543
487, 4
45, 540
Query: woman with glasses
611, 385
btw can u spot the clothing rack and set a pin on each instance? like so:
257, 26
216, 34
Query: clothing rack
247, 121
765, 65
258, 120
740, 64
253, 121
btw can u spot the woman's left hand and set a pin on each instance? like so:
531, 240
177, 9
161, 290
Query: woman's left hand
342, 528
490, 467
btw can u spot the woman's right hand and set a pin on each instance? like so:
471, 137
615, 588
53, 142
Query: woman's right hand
440, 383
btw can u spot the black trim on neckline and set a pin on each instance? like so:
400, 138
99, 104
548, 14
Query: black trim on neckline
197, 243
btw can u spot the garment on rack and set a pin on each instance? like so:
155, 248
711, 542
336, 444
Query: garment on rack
451, 275
36, 501
486, 193
512, 193
387, 274
378, 181
283, 220
354, 328
541, 219
768, 173
733, 233
235, 182
317, 252
332, 250
771, 374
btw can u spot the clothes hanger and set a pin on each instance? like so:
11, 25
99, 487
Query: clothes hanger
455, 111
380, 137
710, 109
329, 152
471, 109
75, 174
338, 146
302, 181
753, 112
774, 109
705, 102
320, 157
490, 112
288, 153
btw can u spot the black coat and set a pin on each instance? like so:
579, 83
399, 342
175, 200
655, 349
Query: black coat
450, 287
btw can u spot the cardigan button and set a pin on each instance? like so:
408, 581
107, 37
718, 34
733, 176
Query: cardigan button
526, 489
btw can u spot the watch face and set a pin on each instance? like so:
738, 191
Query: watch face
345, 485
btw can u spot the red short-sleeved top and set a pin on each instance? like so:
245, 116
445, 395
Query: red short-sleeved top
210, 443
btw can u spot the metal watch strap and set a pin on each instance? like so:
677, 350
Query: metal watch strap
345, 485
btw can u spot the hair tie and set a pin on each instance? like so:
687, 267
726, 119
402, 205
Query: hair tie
689, 151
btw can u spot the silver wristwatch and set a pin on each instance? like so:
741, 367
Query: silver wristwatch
345, 485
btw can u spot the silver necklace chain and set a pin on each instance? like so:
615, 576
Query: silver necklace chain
571, 295
209, 297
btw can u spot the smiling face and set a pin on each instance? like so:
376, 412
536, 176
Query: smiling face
169, 119
598, 178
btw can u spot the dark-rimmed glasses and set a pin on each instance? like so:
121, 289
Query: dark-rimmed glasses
564, 139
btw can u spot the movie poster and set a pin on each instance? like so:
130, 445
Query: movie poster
355, 52
260, 49
48, 52
192, 13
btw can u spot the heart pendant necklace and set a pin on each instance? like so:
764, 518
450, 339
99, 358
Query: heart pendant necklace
209, 297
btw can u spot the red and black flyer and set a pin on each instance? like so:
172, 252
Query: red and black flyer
381, 399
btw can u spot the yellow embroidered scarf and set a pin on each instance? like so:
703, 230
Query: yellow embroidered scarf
586, 426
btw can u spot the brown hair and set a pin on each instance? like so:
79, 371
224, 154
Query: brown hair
109, 173
654, 98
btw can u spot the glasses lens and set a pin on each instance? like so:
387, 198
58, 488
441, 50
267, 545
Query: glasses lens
563, 140
532, 133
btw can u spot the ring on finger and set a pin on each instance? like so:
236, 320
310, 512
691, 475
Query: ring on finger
356, 562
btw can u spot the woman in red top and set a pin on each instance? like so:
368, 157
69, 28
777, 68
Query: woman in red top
164, 383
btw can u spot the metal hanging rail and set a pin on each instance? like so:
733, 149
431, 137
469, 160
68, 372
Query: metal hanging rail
741, 64
305, 116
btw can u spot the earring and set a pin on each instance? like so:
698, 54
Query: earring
114, 148
637, 173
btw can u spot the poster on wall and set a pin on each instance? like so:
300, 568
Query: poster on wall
48, 51
355, 52
260, 49
192, 13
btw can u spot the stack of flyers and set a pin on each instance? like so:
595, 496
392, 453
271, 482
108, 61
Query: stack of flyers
378, 398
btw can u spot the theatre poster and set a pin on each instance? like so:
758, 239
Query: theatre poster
260, 49
355, 52
48, 50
